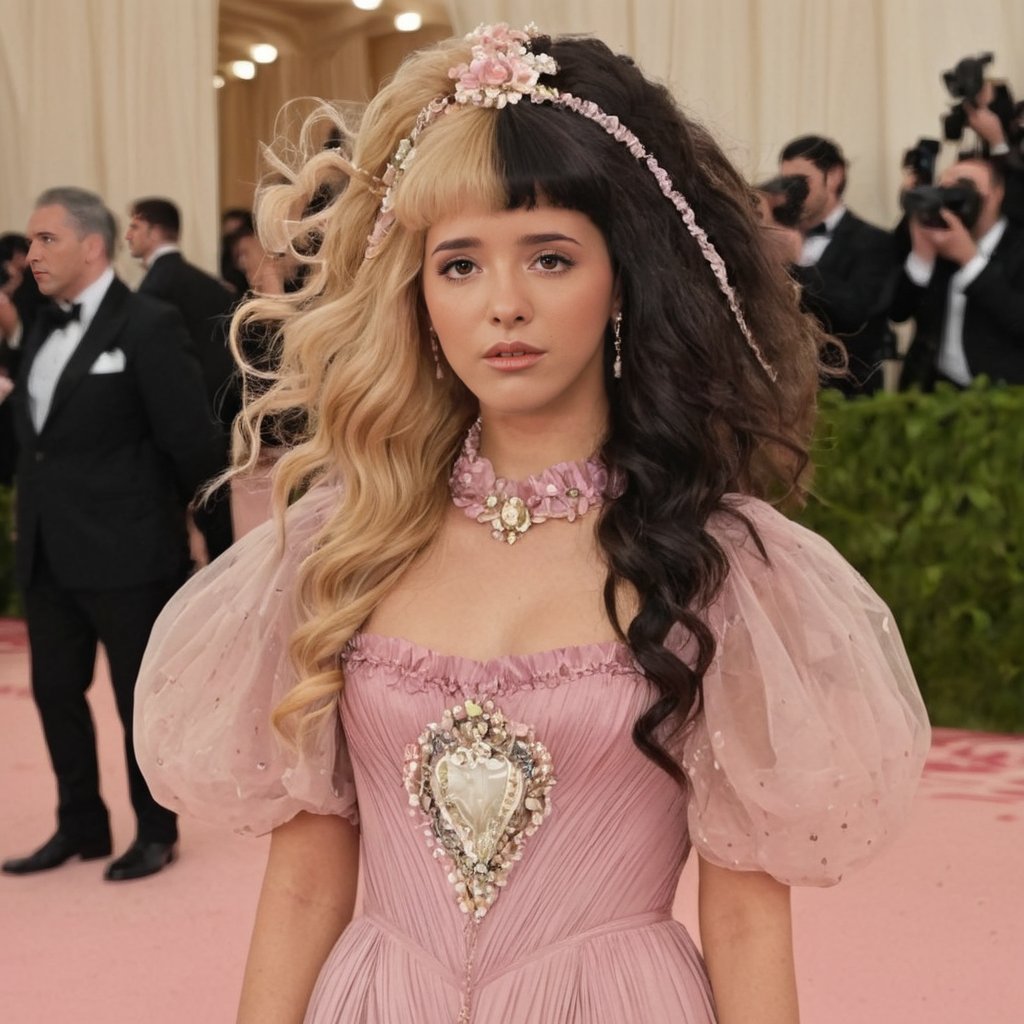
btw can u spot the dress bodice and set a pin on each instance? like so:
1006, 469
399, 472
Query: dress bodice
617, 829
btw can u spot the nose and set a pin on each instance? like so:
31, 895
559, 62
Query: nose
509, 300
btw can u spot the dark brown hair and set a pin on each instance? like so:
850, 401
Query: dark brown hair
694, 416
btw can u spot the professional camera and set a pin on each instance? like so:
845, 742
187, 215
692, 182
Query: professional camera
786, 196
924, 204
921, 160
965, 82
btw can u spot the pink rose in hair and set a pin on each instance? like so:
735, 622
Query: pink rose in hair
524, 77
490, 71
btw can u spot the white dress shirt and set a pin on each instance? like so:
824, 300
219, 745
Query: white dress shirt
58, 348
952, 361
816, 244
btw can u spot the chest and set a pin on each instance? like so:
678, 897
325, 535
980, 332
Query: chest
481, 598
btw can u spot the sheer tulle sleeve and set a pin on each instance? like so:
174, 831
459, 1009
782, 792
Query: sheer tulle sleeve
813, 734
216, 666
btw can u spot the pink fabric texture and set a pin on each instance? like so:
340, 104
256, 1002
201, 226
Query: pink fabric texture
802, 763
216, 666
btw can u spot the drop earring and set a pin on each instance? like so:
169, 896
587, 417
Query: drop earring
438, 372
617, 330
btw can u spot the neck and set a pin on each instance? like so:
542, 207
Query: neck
822, 216
518, 446
985, 225
72, 293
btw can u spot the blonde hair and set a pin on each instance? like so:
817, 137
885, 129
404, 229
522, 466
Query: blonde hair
351, 352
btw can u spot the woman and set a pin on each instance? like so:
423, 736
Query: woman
562, 334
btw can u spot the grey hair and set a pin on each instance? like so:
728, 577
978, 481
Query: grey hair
87, 210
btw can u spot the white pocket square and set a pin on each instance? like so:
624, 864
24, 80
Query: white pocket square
108, 362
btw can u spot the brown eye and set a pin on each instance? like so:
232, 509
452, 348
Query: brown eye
553, 262
458, 268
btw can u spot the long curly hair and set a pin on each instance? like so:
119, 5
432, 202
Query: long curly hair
693, 418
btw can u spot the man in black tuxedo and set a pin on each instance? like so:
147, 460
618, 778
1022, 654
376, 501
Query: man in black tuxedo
963, 284
205, 304
846, 267
115, 437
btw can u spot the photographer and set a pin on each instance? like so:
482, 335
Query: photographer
1001, 138
845, 266
986, 106
963, 281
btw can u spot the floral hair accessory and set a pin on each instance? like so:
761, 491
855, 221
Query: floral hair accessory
502, 70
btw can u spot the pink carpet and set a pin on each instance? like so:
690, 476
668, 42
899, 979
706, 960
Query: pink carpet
932, 933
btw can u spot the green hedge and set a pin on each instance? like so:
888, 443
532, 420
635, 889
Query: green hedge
924, 494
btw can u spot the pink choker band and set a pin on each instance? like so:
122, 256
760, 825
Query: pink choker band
510, 507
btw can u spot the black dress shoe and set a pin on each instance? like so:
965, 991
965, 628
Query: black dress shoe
58, 849
139, 860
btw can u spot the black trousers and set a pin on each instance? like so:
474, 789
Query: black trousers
64, 627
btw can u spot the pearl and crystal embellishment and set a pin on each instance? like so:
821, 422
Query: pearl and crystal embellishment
566, 491
509, 517
483, 784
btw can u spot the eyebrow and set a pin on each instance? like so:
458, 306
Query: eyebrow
474, 243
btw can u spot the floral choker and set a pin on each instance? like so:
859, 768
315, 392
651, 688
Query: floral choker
564, 491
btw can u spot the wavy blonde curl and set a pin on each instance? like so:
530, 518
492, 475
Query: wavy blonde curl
352, 359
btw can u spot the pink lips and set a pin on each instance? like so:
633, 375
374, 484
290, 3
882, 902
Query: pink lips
512, 355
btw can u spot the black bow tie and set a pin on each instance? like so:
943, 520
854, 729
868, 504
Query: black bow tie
54, 316
819, 229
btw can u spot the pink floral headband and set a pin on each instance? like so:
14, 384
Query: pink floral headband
502, 71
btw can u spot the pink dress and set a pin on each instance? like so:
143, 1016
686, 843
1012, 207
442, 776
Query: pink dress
802, 763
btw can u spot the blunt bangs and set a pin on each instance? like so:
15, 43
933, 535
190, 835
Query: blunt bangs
555, 156
509, 159
435, 186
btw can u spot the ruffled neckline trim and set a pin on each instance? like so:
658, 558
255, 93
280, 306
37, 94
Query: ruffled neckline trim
428, 668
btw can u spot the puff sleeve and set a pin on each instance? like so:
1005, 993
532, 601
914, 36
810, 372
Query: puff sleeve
216, 666
805, 757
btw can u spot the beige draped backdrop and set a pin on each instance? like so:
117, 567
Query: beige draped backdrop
348, 70
760, 72
114, 96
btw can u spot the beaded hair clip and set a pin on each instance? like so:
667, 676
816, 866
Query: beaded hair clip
501, 71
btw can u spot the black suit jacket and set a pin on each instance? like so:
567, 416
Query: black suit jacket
849, 290
993, 334
206, 306
104, 485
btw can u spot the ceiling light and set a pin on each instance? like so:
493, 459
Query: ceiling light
218, 81
410, 21
243, 69
263, 53
366, 5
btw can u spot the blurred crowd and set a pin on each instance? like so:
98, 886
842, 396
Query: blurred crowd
952, 268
